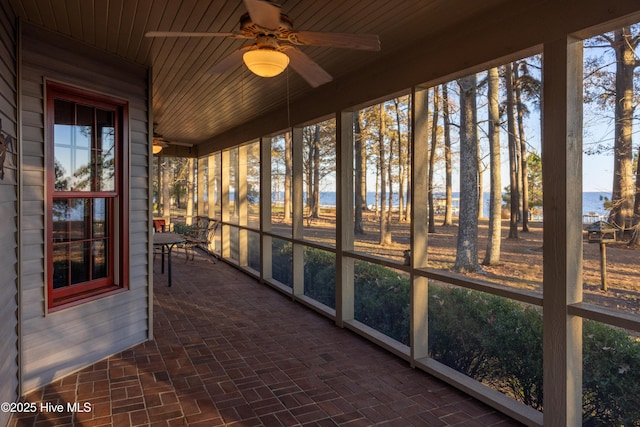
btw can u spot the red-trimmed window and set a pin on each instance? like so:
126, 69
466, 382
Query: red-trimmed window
87, 196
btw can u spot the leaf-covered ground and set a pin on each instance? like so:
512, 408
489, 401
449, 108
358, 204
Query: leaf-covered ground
520, 262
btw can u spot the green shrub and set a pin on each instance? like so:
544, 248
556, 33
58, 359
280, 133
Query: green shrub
320, 276
182, 228
281, 265
382, 300
489, 338
515, 349
611, 376
456, 333
499, 342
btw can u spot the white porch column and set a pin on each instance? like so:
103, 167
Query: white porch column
298, 209
265, 209
419, 224
344, 217
562, 183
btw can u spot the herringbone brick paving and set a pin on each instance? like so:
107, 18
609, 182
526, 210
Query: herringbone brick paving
229, 351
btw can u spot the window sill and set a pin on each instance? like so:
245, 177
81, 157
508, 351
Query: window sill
84, 297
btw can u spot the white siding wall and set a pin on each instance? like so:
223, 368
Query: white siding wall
8, 215
56, 344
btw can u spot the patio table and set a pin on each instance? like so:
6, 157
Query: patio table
167, 241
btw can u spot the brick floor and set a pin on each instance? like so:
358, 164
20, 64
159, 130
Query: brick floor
231, 352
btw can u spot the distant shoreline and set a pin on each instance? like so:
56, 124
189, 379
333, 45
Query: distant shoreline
592, 201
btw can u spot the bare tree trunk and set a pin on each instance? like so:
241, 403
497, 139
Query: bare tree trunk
480, 185
309, 180
407, 175
385, 227
401, 217
166, 190
390, 185
494, 239
518, 191
635, 238
359, 179
377, 192
513, 163
524, 188
315, 195
623, 188
158, 207
467, 244
288, 167
432, 156
448, 216
190, 179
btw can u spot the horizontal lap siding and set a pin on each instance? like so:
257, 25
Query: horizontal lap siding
58, 343
8, 214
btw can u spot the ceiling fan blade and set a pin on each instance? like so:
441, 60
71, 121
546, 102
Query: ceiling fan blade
229, 62
343, 40
263, 13
306, 67
188, 34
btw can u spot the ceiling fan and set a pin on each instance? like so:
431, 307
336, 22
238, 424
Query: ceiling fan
268, 56
159, 143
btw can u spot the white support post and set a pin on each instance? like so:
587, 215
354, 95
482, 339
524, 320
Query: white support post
345, 266
201, 206
213, 193
298, 208
243, 209
562, 235
225, 232
265, 209
419, 224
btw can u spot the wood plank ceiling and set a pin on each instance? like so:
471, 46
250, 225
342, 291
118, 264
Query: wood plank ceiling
193, 106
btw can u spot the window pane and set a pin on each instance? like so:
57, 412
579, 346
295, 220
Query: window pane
80, 220
85, 120
105, 150
82, 137
99, 218
80, 267
62, 161
99, 260
79, 215
72, 146
82, 172
60, 266
60, 213
64, 112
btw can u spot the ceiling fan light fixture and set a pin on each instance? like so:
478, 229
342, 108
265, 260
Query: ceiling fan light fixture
158, 144
265, 62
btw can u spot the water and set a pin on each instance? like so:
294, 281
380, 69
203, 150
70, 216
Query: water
592, 202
